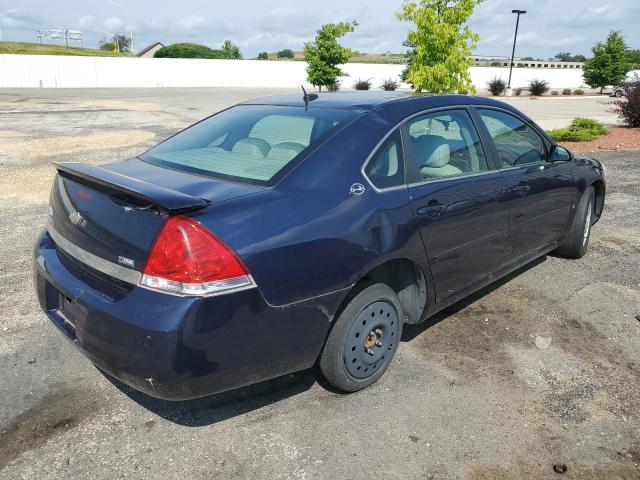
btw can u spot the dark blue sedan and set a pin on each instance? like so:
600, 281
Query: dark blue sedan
298, 230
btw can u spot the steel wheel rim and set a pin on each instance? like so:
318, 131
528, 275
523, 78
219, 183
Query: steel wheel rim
371, 339
587, 225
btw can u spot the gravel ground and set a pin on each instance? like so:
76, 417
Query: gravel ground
618, 138
469, 396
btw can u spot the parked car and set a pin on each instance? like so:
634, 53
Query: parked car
291, 231
621, 90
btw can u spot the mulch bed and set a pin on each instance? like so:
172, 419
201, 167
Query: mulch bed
618, 138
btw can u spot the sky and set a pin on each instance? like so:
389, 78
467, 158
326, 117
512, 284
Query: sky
548, 27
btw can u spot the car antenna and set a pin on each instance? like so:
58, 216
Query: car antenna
307, 98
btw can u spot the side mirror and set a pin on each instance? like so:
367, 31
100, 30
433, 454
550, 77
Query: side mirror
560, 154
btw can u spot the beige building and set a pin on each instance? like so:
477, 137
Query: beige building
498, 61
150, 51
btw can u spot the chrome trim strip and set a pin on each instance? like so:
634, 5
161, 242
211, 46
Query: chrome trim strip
134, 277
100, 264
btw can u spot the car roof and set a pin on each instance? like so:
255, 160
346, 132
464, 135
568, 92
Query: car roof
362, 100
372, 100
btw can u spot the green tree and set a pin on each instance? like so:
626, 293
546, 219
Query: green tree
118, 43
634, 58
567, 57
263, 56
324, 54
286, 53
231, 51
610, 62
440, 45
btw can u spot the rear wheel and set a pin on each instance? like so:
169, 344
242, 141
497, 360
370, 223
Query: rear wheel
618, 93
577, 240
364, 339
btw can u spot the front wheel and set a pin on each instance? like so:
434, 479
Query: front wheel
577, 240
363, 340
618, 93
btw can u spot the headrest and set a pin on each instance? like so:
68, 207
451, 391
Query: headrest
285, 152
254, 147
432, 151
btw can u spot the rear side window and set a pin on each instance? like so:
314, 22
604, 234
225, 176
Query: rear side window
249, 143
516, 142
446, 144
386, 167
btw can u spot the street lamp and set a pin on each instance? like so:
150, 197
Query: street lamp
2, 14
128, 9
515, 37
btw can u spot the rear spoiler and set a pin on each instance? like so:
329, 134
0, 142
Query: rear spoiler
166, 199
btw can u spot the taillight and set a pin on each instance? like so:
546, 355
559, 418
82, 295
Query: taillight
188, 259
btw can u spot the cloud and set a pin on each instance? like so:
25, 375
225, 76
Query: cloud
85, 21
600, 15
113, 23
192, 23
491, 39
534, 39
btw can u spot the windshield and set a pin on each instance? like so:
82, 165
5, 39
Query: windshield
249, 143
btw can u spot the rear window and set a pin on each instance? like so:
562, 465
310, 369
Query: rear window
249, 143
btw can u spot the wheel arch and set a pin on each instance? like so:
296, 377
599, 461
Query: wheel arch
600, 190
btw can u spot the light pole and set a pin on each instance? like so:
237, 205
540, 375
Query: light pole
130, 10
2, 14
515, 37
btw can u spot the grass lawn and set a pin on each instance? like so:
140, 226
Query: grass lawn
48, 49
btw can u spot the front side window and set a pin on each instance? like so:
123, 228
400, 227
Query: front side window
386, 167
248, 143
517, 143
446, 144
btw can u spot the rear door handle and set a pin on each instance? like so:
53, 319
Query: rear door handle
432, 209
522, 188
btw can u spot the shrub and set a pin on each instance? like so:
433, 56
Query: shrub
517, 91
286, 53
628, 109
554, 93
362, 84
538, 87
580, 130
496, 86
389, 85
263, 56
333, 87
578, 92
566, 91
187, 50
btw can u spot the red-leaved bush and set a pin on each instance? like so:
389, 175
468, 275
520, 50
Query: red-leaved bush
628, 108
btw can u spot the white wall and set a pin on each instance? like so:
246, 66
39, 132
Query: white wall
17, 71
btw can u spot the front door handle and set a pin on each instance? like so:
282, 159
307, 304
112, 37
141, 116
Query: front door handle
522, 188
432, 209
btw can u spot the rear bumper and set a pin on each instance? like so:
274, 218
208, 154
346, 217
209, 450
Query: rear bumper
178, 348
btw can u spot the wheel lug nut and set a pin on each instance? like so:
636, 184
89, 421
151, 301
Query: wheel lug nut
369, 351
378, 343
378, 332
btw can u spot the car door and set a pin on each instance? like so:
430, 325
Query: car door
455, 195
539, 192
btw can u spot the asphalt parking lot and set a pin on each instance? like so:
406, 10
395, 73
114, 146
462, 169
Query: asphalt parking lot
469, 396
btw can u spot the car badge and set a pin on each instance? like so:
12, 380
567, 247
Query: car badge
127, 261
357, 189
75, 218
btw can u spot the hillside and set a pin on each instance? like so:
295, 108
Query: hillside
48, 49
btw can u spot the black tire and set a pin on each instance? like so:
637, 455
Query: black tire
618, 93
363, 340
576, 242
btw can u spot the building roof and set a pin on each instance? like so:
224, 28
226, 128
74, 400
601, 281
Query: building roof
145, 50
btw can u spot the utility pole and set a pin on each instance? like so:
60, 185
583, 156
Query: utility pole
515, 37
130, 10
